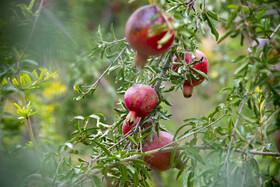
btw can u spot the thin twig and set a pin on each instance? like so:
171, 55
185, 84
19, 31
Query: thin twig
244, 20
266, 121
271, 37
236, 123
113, 42
187, 3
91, 87
162, 73
273, 34
194, 132
233, 135
60, 162
204, 6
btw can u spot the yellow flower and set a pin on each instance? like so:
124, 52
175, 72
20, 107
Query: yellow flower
55, 88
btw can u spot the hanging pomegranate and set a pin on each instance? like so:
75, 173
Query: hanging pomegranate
140, 100
149, 33
159, 161
202, 66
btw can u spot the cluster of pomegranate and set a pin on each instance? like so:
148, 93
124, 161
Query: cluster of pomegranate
141, 100
145, 31
139, 31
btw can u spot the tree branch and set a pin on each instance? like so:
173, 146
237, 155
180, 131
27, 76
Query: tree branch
102, 75
199, 147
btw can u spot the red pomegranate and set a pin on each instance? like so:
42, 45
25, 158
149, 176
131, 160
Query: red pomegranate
278, 140
138, 29
159, 161
140, 100
127, 127
202, 66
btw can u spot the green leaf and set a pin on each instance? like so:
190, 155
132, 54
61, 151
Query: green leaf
27, 78
211, 25
78, 127
14, 81
30, 6
138, 161
113, 31
261, 13
233, 6
172, 158
212, 15
123, 174
164, 39
186, 178
106, 151
231, 18
132, 140
225, 36
34, 72
79, 117
241, 68
200, 73
22, 81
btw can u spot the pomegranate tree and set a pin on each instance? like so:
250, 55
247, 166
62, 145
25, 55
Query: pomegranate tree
202, 66
145, 36
140, 100
159, 161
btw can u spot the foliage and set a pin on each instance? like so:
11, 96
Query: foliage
233, 145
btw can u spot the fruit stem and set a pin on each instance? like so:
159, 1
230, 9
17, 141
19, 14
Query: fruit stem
131, 117
187, 91
140, 60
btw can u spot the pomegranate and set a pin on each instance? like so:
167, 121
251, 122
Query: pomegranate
127, 127
278, 140
202, 66
139, 28
159, 161
140, 100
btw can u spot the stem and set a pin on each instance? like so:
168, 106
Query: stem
235, 125
187, 3
233, 135
162, 73
31, 134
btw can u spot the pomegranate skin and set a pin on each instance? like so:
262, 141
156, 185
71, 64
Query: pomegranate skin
137, 30
202, 66
278, 140
140, 100
127, 127
159, 161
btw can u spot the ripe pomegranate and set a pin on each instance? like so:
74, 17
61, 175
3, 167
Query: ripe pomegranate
127, 127
278, 140
138, 29
159, 161
202, 66
140, 100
